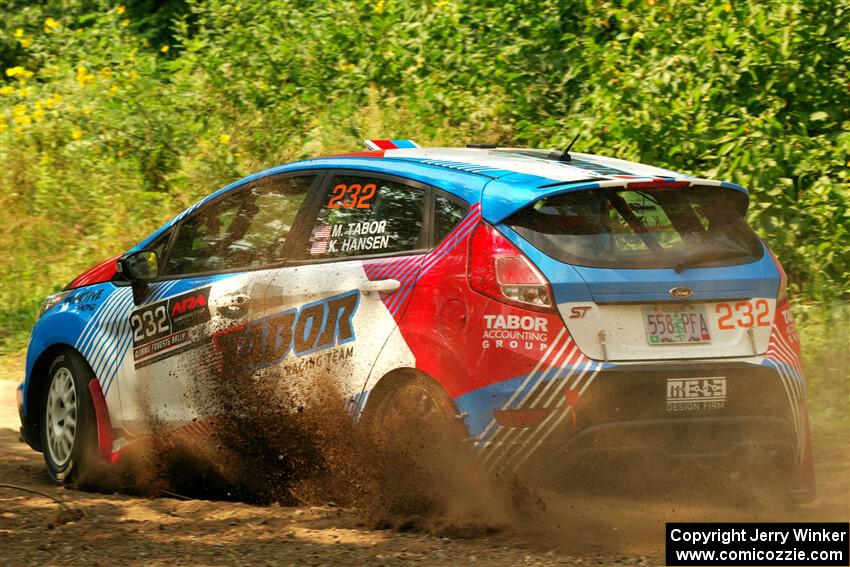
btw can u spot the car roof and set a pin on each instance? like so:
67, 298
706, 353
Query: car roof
517, 177
503, 180
544, 164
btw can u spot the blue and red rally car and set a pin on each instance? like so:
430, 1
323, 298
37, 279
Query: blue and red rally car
556, 304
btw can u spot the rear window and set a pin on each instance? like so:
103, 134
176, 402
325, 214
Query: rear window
655, 228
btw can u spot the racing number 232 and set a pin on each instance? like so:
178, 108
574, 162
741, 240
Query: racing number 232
149, 323
744, 314
354, 196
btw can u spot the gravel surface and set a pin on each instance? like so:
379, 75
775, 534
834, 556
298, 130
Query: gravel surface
120, 529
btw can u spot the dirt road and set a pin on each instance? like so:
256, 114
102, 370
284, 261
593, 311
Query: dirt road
118, 529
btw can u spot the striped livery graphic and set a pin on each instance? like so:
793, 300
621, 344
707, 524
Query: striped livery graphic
783, 354
551, 391
107, 336
410, 269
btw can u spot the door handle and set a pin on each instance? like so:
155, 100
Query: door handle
380, 286
234, 306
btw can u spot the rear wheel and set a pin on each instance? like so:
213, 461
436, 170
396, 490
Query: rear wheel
68, 428
420, 447
418, 415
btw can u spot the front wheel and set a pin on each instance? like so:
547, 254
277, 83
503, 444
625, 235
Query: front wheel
68, 428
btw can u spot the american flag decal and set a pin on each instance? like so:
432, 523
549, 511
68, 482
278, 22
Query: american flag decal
320, 240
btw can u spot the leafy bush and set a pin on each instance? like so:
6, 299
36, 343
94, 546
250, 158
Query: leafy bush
115, 118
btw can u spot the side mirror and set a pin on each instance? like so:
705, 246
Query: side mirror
142, 265
140, 268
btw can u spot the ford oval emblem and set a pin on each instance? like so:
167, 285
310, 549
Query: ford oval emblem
681, 292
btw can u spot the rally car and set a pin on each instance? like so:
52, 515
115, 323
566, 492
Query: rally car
557, 305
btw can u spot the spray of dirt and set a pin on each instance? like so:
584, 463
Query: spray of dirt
264, 442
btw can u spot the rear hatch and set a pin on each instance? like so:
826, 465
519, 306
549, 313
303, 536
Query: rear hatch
671, 270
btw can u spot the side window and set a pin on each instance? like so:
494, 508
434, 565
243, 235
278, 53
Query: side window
360, 216
447, 213
247, 228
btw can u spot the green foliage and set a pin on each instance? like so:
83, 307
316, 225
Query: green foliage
824, 329
114, 118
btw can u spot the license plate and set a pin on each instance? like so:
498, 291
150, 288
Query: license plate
676, 324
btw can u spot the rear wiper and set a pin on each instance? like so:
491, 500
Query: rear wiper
701, 257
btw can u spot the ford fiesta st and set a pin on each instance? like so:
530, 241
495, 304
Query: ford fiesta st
557, 306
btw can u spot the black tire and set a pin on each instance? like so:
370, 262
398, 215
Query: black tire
419, 411
427, 473
68, 425
419, 446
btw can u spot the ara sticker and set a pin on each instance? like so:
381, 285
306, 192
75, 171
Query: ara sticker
161, 327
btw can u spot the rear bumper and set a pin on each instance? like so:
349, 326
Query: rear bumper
716, 439
633, 414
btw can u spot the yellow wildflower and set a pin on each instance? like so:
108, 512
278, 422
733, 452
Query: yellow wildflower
105, 73
134, 76
224, 139
23, 119
3, 126
343, 66
113, 89
125, 23
120, 10
25, 42
19, 110
84, 77
18, 72
76, 134
24, 91
120, 153
54, 99
379, 7
7, 90
38, 115
19, 32
727, 7
164, 48
50, 24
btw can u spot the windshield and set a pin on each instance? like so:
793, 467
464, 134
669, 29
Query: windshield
654, 228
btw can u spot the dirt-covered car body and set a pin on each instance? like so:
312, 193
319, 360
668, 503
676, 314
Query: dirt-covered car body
564, 303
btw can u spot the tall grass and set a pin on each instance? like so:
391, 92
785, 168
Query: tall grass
114, 120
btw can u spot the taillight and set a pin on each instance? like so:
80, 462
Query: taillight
498, 269
782, 294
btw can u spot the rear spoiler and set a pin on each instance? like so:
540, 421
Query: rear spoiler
505, 196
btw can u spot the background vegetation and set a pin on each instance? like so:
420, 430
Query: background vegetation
116, 117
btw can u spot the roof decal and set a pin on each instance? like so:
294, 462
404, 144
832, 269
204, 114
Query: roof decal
390, 144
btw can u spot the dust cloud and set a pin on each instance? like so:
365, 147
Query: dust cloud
263, 443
